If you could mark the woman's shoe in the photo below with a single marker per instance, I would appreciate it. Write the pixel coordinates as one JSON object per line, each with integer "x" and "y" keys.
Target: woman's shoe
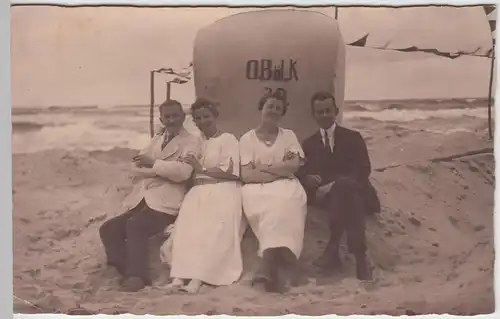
{"x": 176, "y": 284}
{"x": 193, "y": 287}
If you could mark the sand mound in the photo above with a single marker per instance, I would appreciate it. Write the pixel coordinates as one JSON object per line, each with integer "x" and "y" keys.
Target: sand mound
{"x": 432, "y": 242}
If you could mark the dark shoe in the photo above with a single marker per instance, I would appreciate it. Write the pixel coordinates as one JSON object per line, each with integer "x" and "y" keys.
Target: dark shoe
{"x": 297, "y": 277}
{"x": 120, "y": 270}
{"x": 328, "y": 262}
{"x": 292, "y": 274}
{"x": 276, "y": 281}
{"x": 363, "y": 272}
{"x": 133, "y": 284}
{"x": 259, "y": 278}
{"x": 271, "y": 283}
{"x": 275, "y": 285}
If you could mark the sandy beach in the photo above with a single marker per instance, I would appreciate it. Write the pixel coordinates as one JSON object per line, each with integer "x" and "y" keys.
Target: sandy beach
{"x": 79, "y": 75}
{"x": 431, "y": 248}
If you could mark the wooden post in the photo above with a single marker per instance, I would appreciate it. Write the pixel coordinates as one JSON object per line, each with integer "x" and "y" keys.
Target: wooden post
{"x": 152, "y": 105}
{"x": 336, "y": 13}
{"x": 168, "y": 90}
{"x": 490, "y": 93}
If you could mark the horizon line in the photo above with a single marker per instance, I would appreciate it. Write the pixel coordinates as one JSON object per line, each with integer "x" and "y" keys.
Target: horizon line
{"x": 345, "y": 101}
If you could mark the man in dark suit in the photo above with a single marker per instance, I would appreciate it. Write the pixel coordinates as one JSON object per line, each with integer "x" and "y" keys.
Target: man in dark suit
{"x": 337, "y": 160}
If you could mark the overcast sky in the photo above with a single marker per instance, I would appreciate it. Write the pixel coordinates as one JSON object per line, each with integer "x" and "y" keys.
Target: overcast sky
{"x": 102, "y": 55}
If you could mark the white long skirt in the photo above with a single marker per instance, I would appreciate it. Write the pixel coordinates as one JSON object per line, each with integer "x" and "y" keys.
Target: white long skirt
{"x": 276, "y": 212}
{"x": 206, "y": 242}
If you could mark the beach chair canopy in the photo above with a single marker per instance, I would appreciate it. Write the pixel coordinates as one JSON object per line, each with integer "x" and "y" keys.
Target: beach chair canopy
{"x": 239, "y": 58}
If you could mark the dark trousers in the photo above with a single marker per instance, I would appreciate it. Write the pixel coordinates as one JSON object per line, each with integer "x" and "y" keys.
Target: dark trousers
{"x": 346, "y": 213}
{"x": 277, "y": 262}
{"x": 126, "y": 239}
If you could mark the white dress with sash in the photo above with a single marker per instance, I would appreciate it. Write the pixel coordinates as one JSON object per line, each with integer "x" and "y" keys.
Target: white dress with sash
{"x": 207, "y": 234}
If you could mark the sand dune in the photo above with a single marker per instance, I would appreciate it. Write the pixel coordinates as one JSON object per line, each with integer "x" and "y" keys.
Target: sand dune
{"x": 431, "y": 248}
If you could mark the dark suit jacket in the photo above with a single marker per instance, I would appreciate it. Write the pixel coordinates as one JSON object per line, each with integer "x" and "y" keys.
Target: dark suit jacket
{"x": 349, "y": 159}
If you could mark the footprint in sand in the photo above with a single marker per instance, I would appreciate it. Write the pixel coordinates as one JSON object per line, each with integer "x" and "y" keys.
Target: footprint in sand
{"x": 416, "y": 260}
{"x": 25, "y": 220}
{"x": 479, "y": 228}
{"x": 34, "y": 238}
{"x": 414, "y": 221}
{"x": 452, "y": 276}
{"x": 433, "y": 253}
{"x": 453, "y": 220}
{"x": 34, "y": 273}
{"x": 61, "y": 234}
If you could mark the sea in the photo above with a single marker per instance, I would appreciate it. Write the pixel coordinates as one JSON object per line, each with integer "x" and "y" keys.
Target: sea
{"x": 94, "y": 128}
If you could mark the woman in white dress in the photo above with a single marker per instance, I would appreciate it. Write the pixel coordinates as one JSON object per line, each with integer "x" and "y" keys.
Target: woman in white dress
{"x": 274, "y": 201}
{"x": 207, "y": 234}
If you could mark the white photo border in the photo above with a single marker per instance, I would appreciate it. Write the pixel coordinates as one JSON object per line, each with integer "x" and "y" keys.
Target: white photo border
{"x": 6, "y": 297}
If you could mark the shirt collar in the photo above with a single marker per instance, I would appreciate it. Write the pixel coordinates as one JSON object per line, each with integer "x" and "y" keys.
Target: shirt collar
{"x": 180, "y": 132}
{"x": 330, "y": 131}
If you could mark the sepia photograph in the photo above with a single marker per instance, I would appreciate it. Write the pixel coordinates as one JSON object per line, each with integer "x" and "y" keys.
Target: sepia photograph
{"x": 253, "y": 161}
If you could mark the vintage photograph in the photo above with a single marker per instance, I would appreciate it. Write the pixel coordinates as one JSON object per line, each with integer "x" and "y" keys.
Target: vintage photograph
{"x": 253, "y": 161}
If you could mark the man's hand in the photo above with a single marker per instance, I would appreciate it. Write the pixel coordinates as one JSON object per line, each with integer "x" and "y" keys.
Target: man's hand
{"x": 257, "y": 165}
{"x": 135, "y": 178}
{"x": 144, "y": 161}
{"x": 322, "y": 191}
{"x": 138, "y": 173}
{"x": 289, "y": 155}
{"x": 312, "y": 181}
{"x": 193, "y": 161}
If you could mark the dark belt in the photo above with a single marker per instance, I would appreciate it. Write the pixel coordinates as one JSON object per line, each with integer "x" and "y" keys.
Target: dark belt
{"x": 206, "y": 181}
{"x": 264, "y": 183}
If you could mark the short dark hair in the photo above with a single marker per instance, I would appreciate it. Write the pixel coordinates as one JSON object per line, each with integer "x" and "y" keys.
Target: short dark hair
{"x": 323, "y": 96}
{"x": 279, "y": 94}
{"x": 171, "y": 103}
{"x": 203, "y": 103}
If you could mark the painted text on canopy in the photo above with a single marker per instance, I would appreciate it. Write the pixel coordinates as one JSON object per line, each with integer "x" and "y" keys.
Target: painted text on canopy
{"x": 267, "y": 69}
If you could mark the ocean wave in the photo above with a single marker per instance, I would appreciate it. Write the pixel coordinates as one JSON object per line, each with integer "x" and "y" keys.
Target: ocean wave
{"x": 104, "y": 133}
{"x": 451, "y": 130}
{"x": 83, "y": 136}
{"x": 415, "y": 105}
{"x": 53, "y": 109}
{"x": 130, "y": 106}
{"x": 27, "y": 125}
{"x": 23, "y": 127}
{"x": 402, "y": 115}
{"x": 350, "y": 105}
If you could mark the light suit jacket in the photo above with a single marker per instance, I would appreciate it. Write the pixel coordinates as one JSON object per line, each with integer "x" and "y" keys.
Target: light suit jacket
{"x": 164, "y": 185}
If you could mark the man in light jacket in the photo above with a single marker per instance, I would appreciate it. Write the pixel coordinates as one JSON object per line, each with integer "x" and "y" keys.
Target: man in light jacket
{"x": 160, "y": 184}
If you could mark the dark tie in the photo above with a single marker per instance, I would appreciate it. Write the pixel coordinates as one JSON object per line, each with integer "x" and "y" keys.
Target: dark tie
{"x": 327, "y": 144}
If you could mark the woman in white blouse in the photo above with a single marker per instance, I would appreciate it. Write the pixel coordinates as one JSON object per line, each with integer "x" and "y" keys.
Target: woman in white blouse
{"x": 207, "y": 234}
{"x": 274, "y": 201}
